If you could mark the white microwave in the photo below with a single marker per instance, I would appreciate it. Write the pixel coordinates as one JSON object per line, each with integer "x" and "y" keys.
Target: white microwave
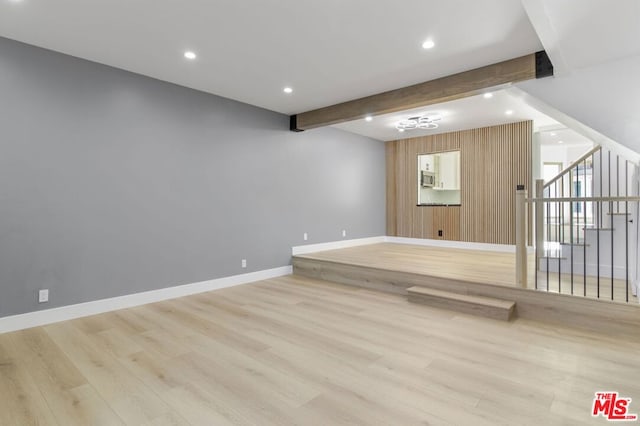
{"x": 428, "y": 179}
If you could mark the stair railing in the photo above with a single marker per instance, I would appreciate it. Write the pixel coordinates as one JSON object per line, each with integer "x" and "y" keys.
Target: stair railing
{"x": 586, "y": 243}
{"x": 573, "y": 181}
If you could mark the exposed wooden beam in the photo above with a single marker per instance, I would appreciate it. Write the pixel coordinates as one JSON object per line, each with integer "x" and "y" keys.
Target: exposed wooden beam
{"x": 456, "y": 86}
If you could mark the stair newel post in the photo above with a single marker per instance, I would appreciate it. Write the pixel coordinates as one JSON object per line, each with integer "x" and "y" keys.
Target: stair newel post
{"x": 539, "y": 224}
{"x": 521, "y": 236}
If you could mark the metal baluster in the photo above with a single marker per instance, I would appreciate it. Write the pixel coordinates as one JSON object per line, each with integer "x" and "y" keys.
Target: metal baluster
{"x": 584, "y": 240}
{"x": 617, "y": 189}
{"x": 594, "y": 206}
{"x": 601, "y": 213}
{"x": 548, "y": 239}
{"x": 558, "y": 236}
{"x": 584, "y": 247}
{"x": 626, "y": 229}
{"x": 601, "y": 191}
{"x": 577, "y": 230}
{"x": 571, "y": 225}
{"x": 611, "y": 268}
{"x": 599, "y": 220}
{"x": 611, "y": 225}
{"x": 561, "y": 213}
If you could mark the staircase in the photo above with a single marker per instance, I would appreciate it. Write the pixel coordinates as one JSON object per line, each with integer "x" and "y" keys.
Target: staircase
{"x": 587, "y": 234}
{"x": 465, "y": 303}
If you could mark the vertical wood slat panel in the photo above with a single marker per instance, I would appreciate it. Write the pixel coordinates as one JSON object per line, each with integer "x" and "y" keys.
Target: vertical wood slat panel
{"x": 493, "y": 160}
{"x": 392, "y": 202}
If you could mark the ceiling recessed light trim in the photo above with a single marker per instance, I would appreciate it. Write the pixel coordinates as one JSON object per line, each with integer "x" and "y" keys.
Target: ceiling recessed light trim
{"x": 509, "y": 112}
{"x": 288, "y": 90}
{"x": 191, "y": 55}
{"x": 488, "y": 95}
{"x": 368, "y": 118}
{"x": 428, "y": 44}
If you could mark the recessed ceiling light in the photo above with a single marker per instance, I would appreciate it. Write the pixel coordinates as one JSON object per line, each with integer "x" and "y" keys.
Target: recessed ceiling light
{"x": 560, "y": 142}
{"x": 488, "y": 95}
{"x": 553, "y": 133}
{"x": 401, "y": 130}
{"x": 428, "y": 44}
{"x": 287, "y": 90}
{"x": 368, "y": 118}
{"x": 508, "y": 112}
{"x": 190, "y": 55}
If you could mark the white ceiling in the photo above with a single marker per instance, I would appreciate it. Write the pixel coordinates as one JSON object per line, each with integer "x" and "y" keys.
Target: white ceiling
{"x": 461, "y": 114}
{"x": 329, "y": 51}
{"x": 334, "y": 50}
{"x": 581, "y": 33}
{"x": 565, "y": 137}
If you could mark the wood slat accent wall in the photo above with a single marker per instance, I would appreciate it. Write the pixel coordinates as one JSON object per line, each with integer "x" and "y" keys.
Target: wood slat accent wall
{"x": 391, "y": 188}
{"x": 493, "y": 161}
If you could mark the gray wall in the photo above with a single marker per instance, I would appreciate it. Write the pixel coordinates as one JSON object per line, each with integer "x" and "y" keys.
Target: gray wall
{"x": 112, "y": 183}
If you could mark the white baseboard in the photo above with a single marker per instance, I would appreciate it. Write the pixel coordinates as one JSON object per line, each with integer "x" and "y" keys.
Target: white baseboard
{"x": 333, "y": 245}
{"x": 64, "y": 313}
{"x": 504, "y": 248}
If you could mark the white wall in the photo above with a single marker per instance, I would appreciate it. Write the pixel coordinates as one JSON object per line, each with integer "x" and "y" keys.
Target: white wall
{"x": 605, "y": 97}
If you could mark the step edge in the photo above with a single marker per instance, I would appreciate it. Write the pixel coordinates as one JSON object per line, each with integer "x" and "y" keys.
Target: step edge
{"x": 466, "y": 298}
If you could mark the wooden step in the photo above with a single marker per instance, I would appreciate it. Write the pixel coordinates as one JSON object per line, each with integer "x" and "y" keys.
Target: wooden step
{"x": 475, "y": 305}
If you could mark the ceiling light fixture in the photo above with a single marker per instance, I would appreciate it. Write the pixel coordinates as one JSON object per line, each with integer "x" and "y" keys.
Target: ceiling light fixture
{"x": 401, "y": 130}
{"x": 508, "y": 112}
{"x": 428, "y": 44}
{"x": 287, "y": 90}
{"x": 488, "y": 95}
{"x": 368, "y": 118}
{"x": 553, "y": 133}
{"x": 190, "y": 55}
{"x": 424, "y": 122}
{"x": 560, "y": 141}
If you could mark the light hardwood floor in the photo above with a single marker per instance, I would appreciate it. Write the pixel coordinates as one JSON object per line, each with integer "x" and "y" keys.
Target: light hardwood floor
{"x": 475, "y": 266}
{"x": 293, "y": 350}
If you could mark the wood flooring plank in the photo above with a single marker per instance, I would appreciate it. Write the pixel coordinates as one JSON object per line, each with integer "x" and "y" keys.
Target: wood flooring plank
{"x": 133, "y": 401}
{"x": 66, "y": 391}
{"x": 21, "y": 402}
{"x": 300, "y": 351}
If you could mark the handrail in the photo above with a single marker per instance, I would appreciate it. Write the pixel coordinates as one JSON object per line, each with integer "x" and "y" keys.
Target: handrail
{"x": 573, "y": 165}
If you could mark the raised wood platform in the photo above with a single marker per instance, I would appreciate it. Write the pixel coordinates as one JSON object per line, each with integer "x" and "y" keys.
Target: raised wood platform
{"x": 394, "y": 268}
{"x": 474, "y": 305}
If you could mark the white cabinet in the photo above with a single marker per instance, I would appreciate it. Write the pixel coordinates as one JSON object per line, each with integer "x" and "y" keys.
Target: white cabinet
{"x": 448, "y": 171}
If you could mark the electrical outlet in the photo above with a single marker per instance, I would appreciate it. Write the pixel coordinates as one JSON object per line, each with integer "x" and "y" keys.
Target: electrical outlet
{"x": 244, "y": 263}
{"x": 344, "y": 232}
{"x": 305, "y": 236}
{"x": 43, "y": 296}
